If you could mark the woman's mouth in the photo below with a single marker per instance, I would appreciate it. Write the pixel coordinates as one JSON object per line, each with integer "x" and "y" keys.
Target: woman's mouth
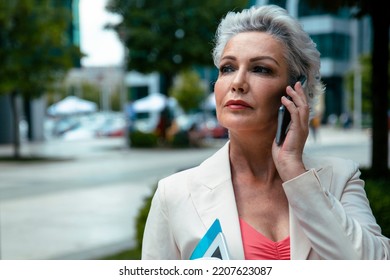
{"x": 237, "y": 104}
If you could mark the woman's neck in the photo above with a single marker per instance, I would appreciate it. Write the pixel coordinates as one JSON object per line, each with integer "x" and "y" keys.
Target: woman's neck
{"x": 253, "y": 155}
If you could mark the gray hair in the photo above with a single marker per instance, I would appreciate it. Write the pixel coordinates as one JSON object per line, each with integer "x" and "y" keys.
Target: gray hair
{"x": 301, "y": 53}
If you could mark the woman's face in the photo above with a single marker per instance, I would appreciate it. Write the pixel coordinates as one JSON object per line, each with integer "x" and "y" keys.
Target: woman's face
{"x": 252, "y": 79}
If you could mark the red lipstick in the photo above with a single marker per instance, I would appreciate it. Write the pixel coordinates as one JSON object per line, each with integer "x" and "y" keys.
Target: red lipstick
{"x": 237, "y": 104}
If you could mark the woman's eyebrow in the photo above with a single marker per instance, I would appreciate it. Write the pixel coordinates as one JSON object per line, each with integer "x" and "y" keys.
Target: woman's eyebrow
{"x": 264, "y": 57}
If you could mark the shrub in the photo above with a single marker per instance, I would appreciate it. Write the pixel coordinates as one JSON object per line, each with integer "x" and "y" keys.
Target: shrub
{"x": 378, "y": 192}
{"x": 141, "y": 219}
{"x": 143, "y": 139}
{"x": 180, "y": 140}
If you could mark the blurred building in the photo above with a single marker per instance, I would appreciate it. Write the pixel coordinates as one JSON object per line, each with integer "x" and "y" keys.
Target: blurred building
{"x": 73, "y": 34}
{"x": 108, "y": 80}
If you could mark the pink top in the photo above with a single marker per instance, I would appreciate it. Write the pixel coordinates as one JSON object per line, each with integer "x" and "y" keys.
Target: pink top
{"x": 259, "y": 247}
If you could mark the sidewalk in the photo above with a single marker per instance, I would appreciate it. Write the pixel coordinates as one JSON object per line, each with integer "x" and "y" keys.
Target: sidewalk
{"x": 60, "y": 209}
{"x": 354, "y": 144}
{"x": 333, "y": 135}
{"x": 58, "y": 148}
{"x": 84, "y": 205}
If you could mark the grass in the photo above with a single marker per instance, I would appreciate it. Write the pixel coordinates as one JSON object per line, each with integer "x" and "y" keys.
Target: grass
{"x": 132, "y": 254}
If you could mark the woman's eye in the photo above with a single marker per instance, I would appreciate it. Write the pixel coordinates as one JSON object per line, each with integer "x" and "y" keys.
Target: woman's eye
{"x": 261, "y": 69}
{"x": 226, "y": 69}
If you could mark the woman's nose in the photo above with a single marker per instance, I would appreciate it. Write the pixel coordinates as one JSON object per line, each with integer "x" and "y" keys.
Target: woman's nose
{"x": 240, "y": 84}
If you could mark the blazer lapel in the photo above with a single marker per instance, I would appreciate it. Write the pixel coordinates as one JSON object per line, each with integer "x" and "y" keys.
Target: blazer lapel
{"x": 300, "y": 244}
{"x": 213, "y": 197}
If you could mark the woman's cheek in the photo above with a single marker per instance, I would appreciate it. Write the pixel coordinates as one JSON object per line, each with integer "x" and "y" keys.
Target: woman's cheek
{"x": 219, "y": 93}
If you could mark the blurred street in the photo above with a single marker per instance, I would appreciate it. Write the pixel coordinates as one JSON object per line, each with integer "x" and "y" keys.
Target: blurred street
{"x": 82, "y": 203}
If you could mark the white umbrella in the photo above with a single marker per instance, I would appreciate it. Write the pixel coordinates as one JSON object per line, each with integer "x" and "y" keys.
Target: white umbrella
{"x": 72, "y": 105}
{"x": 152, "y": 102}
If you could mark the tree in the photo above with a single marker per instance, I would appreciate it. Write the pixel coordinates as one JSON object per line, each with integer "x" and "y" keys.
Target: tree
{"x": 33, "y": 50}
{"x": 188, "y": 90}
{"x": 366, "y": 83}
{"x": 364, "y": 68}
{"x": 380, "y": 18}
{"x": 169, "y": 36}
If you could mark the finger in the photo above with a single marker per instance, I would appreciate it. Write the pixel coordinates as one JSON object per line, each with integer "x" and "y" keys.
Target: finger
{"x": 299, "y": 111}
{"x": 297, "y": 94}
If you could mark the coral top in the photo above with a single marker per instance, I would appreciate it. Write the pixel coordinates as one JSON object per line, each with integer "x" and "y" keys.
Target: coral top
{"x": 259, "y": 247}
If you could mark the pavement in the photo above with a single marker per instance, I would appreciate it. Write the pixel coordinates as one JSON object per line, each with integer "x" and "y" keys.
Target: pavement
{"x": 83, "y": 203}
{"x": 354, "y": 144}
{"x": 42, "y": 218}
{"x": 82, "y": 200}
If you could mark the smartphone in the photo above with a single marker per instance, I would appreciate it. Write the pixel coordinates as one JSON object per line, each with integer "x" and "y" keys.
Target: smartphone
{"x": 284, "y": 117}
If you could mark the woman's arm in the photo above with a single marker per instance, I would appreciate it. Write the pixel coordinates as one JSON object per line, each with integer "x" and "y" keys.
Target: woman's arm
{"x": 338, "y": 227}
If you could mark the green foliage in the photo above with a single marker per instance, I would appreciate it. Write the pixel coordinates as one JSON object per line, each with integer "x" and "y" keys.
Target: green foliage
{"x": 379, "y": 196}
{"x": 141, "y": 139}
{"x": 34, "y": 50}
{"x": 180, "y": 140}
{"x": 188, "y": 90}
{"x": 141, "y": 218}
{"x": 90, "y": 92}
{"x": 365, "y": 70}
{"x": 169, "y": 36}
{"x": 377, "y": 189}
{"x": 366, "y": 83}
{"x": 116, "y": 104}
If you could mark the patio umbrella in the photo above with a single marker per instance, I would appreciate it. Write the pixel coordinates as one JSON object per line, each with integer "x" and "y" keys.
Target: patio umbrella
{"x": 152, "y": 102}
{"x": 72, "y": 105}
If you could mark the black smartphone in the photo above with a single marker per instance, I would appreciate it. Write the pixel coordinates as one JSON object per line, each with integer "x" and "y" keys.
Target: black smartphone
{"x": 284, "y": 117}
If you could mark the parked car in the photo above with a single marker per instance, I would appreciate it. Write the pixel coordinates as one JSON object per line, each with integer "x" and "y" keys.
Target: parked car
{"x": 204, "y": 123}
{"x": 113, "y": 126}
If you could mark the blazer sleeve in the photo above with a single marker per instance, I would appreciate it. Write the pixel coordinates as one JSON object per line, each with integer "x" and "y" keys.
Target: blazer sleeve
{"x": 158, "y": 241}
{"x": 337, "y": 219}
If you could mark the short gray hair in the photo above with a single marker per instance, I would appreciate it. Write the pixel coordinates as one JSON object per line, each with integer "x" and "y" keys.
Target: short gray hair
{"x": 301, "y": 54}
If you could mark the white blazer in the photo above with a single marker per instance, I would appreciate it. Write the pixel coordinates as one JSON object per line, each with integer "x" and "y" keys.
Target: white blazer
{"x": 330, "y": 216}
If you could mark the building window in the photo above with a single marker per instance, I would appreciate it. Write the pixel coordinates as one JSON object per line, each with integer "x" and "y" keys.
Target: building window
{"x": 280, "y": 3}
{"x": 333, "y": 45}
{"x": 304, "y": 9}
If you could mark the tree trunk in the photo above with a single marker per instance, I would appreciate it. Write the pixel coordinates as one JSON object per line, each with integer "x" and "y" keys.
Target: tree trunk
{"x": 166, "y": 82}
{"x": 16, "y": 121}
{"x": 28, "y": 117}
{"x": 380, "y": 58}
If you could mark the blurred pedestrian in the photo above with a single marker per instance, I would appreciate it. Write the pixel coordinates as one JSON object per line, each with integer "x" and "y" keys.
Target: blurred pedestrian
{"x": 165, "y": 121}
{"x": 314, "y": 125}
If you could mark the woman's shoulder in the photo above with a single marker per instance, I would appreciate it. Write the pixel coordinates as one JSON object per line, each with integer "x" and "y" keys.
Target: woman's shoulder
{"x": 337, "y": 164}
{"x": 179, "y": 176}
{"x": 210, "y": 172}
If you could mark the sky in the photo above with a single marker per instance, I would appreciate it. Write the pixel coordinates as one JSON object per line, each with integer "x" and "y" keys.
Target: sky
{"x": 102, "y": 47}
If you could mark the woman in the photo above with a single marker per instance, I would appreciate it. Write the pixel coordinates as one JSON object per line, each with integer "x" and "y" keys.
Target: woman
{"x": 272, "y": 201}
